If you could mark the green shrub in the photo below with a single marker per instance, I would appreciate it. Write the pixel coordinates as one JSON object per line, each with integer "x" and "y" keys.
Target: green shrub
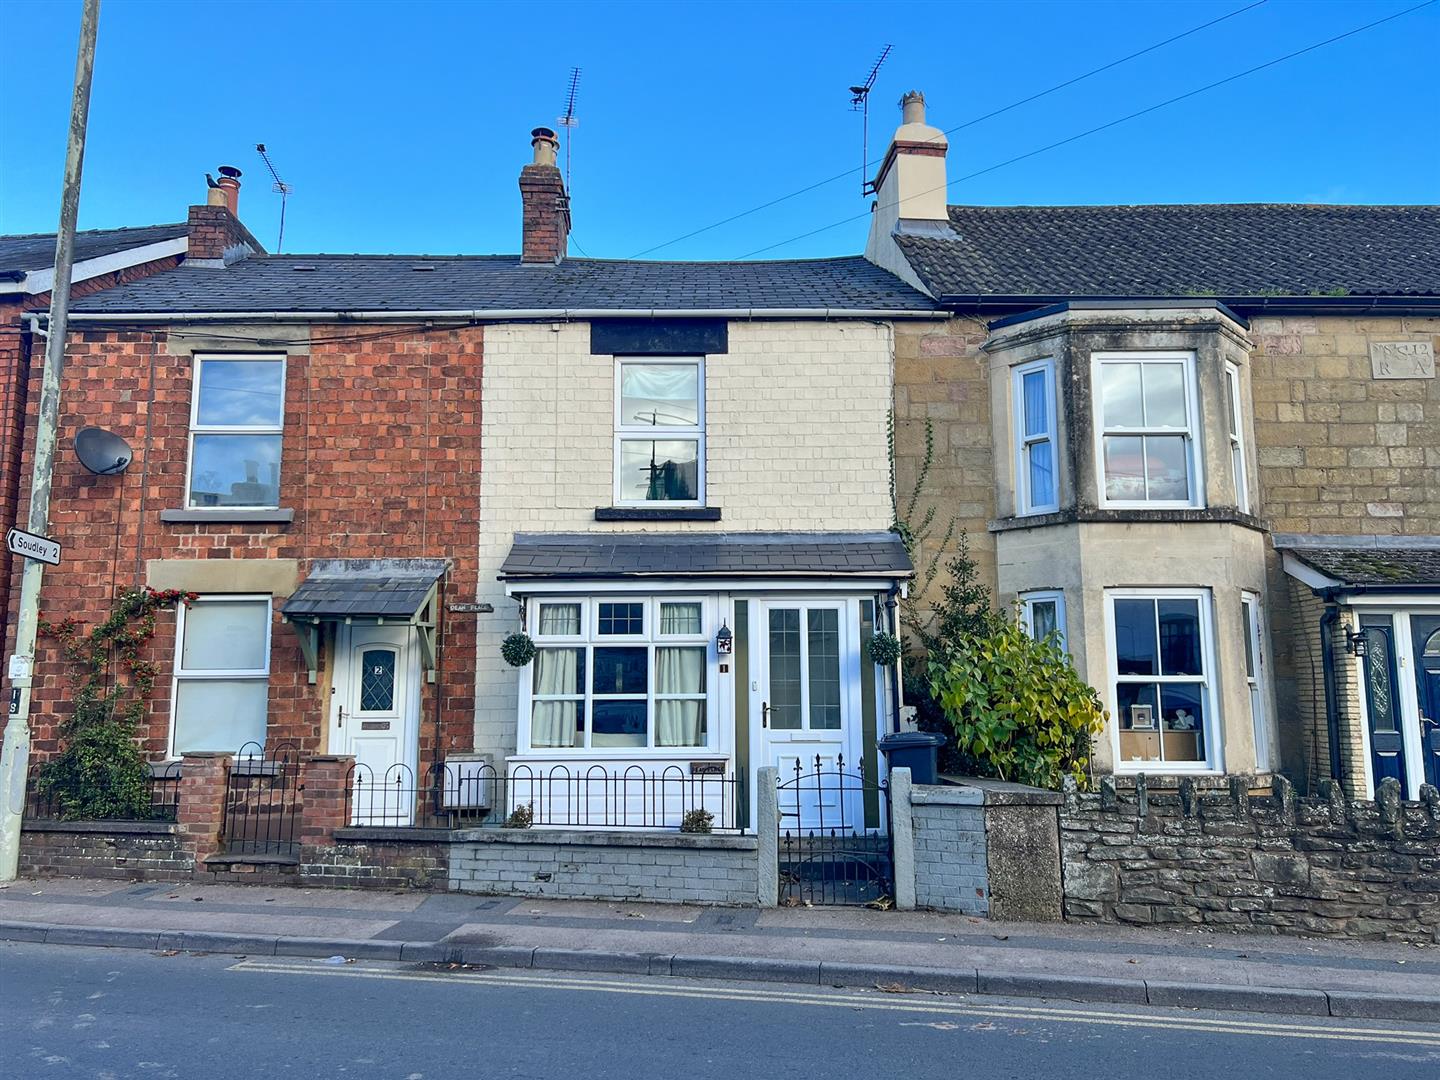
{"x": 1017, "y": 707}
{"x": 697, "y": 821}
{"x": 522, "y": 817}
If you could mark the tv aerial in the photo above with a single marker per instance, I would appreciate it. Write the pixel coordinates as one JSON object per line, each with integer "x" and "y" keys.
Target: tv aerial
{"x": 281, "y": 188}
{"x": 569, "y": 121}
{"x": 860, "y": 102}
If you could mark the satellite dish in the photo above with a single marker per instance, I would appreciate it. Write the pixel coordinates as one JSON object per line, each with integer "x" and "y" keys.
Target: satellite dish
{"x": 102, "y": 452}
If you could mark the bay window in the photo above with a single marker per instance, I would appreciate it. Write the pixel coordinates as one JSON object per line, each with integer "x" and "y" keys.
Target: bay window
{"x": 619, "y": 674}
{"x": 1043, "y": 614}
{"x": 1147, "y": 429}
{"x": 237, "y": 415}
{"x": 1162, "y": 674}
{"x": 659, "y": 432}
{"x": 222, "y": 674}
{"x": 1237, "y": 444}
{"x": 1036, "y": 488}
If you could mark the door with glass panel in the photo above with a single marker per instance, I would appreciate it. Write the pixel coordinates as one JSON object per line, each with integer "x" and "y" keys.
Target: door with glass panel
{"x": 805, "y": 707}
{"x": 1383, "y": 708}
{"x": 376, "y": 719}
{"x": 1425, "y": 630}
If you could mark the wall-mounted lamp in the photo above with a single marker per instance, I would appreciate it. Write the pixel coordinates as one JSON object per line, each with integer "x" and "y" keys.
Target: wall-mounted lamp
{"x": 724, "y": 640}
{"x": 1355, "y": 643}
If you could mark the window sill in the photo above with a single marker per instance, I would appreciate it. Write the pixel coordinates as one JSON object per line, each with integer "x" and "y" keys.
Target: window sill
{"x": 657, "y": 513}
{"x": 1222, "y": 515}
{"x": 227, "y": 516}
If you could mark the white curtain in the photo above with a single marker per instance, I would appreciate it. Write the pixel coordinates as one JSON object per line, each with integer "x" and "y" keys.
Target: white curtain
{"x": 562, "y": 619}
{"x": 679, "y": 722}
{"x": 552, "y": 723}
{"x": 679, "y": 618}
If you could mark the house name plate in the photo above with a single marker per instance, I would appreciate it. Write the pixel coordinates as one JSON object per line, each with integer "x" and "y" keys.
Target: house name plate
{"x": 1402, "y": 360}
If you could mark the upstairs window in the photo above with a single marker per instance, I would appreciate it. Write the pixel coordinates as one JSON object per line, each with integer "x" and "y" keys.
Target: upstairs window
{"x": 660, "y": 432}
{"x": 1036, "y": 490}
{"x": 1146, "y": 429}
{"x": 237, "y": 414}
{"x": 1237, "y": 445}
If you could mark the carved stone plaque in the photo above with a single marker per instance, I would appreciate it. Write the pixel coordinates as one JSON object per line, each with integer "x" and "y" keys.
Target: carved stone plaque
{"x": 1402, "y": 360}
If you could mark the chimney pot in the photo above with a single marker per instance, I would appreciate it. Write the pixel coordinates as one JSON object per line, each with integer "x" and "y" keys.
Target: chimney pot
{"x": 912, "y": 108}
{"x": 229, "y": 187}
{"x": 545, "y": 144}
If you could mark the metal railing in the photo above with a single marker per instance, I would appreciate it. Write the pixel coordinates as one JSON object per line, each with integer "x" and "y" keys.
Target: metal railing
{"x": 163, "y": 784}
{"x": 474, "y": 794}
{"x": 262, "y": 801}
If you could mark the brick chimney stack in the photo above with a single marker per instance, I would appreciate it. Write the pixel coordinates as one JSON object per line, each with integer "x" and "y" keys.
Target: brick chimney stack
{"x": 546, "y": 205}
{"x": 216, "y": 237}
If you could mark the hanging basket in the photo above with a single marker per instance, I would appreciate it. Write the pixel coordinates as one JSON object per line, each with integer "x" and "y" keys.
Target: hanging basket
{"x": 885, "y": 649}
{"x": 517, "y": 649}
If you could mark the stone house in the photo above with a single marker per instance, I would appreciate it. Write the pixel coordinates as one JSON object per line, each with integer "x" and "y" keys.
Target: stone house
{"x": 1201, "y": 443}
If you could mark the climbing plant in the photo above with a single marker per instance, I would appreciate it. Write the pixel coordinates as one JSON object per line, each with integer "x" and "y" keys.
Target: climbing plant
{"x": 101, "y": 771}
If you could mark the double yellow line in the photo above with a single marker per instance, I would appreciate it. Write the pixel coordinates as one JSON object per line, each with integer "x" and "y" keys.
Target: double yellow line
{"x": 874, "y": 1001}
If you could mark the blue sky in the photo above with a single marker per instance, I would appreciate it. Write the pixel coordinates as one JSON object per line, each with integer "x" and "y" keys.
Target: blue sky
{"x": 403, "y": 126}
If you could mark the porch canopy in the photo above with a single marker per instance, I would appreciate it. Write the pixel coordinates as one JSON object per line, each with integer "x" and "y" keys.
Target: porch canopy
{"x": 858, "y": 556}
{"x": 376, "y": 591}
{"x": 1352, "y": 565}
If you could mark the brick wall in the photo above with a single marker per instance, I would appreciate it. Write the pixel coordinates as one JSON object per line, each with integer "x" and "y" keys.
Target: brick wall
{"x": 669, "y": 868}
{"x": 380, "y": 859}
{"x": 1278, "y": 864}
{"x": 145, "y": 851}
{"x": 950, "y": 850}
{"x": 380, "y": 457}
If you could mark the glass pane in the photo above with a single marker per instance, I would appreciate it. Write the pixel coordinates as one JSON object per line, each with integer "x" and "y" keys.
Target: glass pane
{"x": 243, "y": 392}
{"x": 823, "y": 627}
{"x": 1165, "y": 395}
{"x": 1042, "y": 474}
{"x": 1182, "y": 722}
{"x": 680, "y": 671}
{"x": 1135, "y": 650}
{"x": 679, "y": 618}
{"x": 618, "y": 723}
{"x": 1120, "y": 395}
{"x": 1230, "y": 399}
{"x": 1247, "y": 631}
{"x": 560, "y": 619}
{"x": 785, "y": 669}
{"x": 1167, "y": 468}
{"x": 622, "y": 618}
{"x": 557, "y": 723}
{"x": 1379, "y": 691}
{"x": 621, "y": 671}
{"x": 559, "y": 671}
{"x": 1037, "y": 407}
{"x": 1042, "y": 619}
{"x": 1180, "y": 637}
{"x": 1124, "y": 468}
{"x": 225, "y": 635}
{"x": 1432, "y": 645}
{"x": 660, "y": 395}
{"x": 680, "y": 723}
{"x": 377, "y": 680}
{"x": 1132, "y": 699}
{"x": 219, "y": 714}
{"x": 235, "y": 470}
{"x": 664, "y": 470}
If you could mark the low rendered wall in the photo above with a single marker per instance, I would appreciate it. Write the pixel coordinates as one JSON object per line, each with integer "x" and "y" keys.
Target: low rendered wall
{"x": 591, "y": 865}
{"x": 126, "y": 850}
{"x": 1277, "y": 863}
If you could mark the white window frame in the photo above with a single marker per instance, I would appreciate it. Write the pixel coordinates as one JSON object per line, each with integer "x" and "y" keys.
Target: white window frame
{"x": 628, "y": 431}
{"x": 1236, "y": 430}
{"x": 1024, "y": 501}
{"x": 1195, "y": 497}
{"x": 1209, "y": 683}
{"x": 1257, "y": 682}
{"x": 652, "y": 639}
{"x": 1028, "y": 600}
{"x": 179, "y": 674}
{"x": 197, "y": 428}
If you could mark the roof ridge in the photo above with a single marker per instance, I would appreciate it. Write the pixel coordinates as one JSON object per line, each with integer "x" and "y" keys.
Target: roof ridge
{"x": 1080, "y": 207}
{"x": 85, "y": 232}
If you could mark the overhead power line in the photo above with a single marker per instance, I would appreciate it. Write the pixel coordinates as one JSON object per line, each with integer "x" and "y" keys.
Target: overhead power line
{"x": 960, "y": 127}
{"x": 1111, "y": 123}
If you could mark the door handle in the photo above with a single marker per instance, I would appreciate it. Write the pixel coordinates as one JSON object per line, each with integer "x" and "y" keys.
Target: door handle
{"x": 342, "y": 716}
{"x": 764, "y": 714}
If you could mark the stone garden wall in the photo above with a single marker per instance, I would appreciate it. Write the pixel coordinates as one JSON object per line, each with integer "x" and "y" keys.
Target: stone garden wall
{"x": 1327, "y": 866}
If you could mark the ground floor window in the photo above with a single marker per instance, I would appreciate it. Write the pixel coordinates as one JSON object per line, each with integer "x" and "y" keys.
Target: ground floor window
{"x": 625, "y": 673}
{"x": 1162, "y": 672}
{"x": 222, "y": 674}
{"x": 1044, "y": 614}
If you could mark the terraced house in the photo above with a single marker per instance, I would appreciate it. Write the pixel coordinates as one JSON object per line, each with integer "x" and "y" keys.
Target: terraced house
{"x": 1202, "y": 443}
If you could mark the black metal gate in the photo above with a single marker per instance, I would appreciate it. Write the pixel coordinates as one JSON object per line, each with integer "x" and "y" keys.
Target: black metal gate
{"x": 262, "y": 801}
{"x": 834, "y": 844}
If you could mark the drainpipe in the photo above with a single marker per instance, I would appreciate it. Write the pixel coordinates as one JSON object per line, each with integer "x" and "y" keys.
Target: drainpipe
{"x": 1332, "y": 694}
{"x": 893, "y": 617}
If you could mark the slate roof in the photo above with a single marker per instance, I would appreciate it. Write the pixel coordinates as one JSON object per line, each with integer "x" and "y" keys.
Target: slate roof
{"x": 20, "y": 255}
{"x": 318, "y": 283}
{"x": 1233, "y": 250}
{"x": 621, "y": 555}
{"x": 1387, "y": 560}
{"x": 364, "y": 588}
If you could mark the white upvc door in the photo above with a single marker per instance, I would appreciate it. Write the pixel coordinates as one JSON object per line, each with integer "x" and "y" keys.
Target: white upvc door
{"x": 375, "y": 717}
{"x": 808, "y": 680}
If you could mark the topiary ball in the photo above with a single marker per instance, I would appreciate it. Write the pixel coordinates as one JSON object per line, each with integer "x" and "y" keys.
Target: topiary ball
{"x": 518, "y": 650}
{"x": 885, "y": 649}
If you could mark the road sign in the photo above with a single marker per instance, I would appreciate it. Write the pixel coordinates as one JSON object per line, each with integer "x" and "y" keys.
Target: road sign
{"x": 33, "y": 547}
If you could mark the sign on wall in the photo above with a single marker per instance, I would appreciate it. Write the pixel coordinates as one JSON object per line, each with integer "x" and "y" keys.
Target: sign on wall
{"x": 1402, "y": 360}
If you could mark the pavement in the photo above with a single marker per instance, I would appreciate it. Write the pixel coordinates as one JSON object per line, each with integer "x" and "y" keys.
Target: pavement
{"x": 855, "y": 947}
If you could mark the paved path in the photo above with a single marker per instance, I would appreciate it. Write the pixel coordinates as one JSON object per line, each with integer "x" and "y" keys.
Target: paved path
{"x": 80, "y": 1012}
{"x": 815, "y": 945}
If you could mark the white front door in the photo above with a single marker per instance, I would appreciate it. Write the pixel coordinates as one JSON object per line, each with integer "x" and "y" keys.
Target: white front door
{"x": 809, "y": 678}
{"x": 376, "y": 718}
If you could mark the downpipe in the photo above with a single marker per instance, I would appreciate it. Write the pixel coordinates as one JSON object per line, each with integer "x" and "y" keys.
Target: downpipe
{"x": 1332, "y": 693}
